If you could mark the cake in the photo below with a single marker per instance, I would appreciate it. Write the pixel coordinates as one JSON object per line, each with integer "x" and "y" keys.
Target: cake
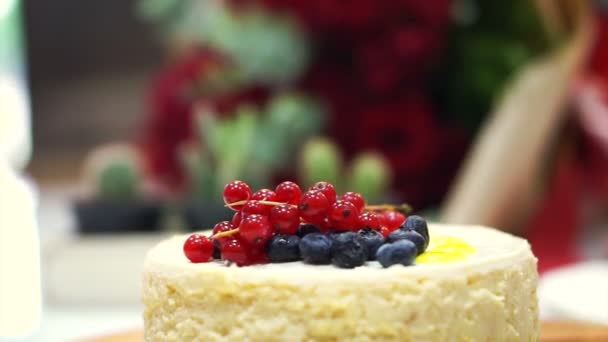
{"x": 472, "y": 284}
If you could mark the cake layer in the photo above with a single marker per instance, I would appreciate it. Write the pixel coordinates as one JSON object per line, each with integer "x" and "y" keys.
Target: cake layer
{"x": 489, "y": 296}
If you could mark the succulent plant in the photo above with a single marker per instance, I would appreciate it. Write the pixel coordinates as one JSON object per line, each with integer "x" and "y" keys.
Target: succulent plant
{"x": 251, "y": 144}
{"x": 265, "y": 47}
{"x": 114, "y": 172}
{"x": 369, "y": 173}
{"x": 118, "y": 181}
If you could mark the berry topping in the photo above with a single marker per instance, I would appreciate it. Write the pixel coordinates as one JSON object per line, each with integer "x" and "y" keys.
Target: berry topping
{"x": 256, "y": 254}
{"x": 401, "y": 252}
{"x": 384, "y": 231}
{"x": 288, "y": 192}
{"x": 418, "y": 224}
{"x": 284, "y": 248}
{"x": 348, "y": 251}
{"x": 287, "y": 225}
{"x": 411, "y": 235}
{"x": 255, "y": 229}
{"x": 221, "y": 227}
{"x": 372, "y": 239}
{"x": 315, "y": 248}
{"x": 198, "y": 248}
{"x": 236, "y": 191}
{"x": 313, "y": 206}
{"x": 392, "y": 219}
{"x": 307, "y": 228}
{"x": 216, "y": 249}
{"x": 236, "y": 219}
{"x": 327, "y": 189}
{"x": 344, "y": 216}
{"x": 264, "y": 195}
{"x": 285, "y": 219}
{"x": 255, "y": 207}
{"x": 235, "y": 251}
{"x": 354, "y": 198}
{"x": 368, "y": 219}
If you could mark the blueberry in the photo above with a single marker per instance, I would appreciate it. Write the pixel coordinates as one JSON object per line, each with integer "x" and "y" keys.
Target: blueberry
{"x": 284, "y": 248}
{"x": 372, "y": 239}
{"x": 418, "y": 224}
{"x": 401, "y": 252}
{"x": 412, "y": 235}
{"x": 340, "y": 237}
{"x": 315, "y": 248}
{"x": 307, "y": 228}
{"x": 348, "y": 250}
{"x": 396, "y": 235}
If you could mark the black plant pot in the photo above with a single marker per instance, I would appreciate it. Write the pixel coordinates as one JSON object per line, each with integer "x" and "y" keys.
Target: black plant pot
{"x": 102, "y": 216}
{"x": 202, "y": 215}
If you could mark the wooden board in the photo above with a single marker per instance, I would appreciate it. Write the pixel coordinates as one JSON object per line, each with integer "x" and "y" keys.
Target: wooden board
{"x": 551, "y": 331}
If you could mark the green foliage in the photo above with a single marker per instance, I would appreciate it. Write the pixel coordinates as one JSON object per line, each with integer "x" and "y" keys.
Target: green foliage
{"x": 489, "y": 42}
{"x": 369, "y": 173}
{"x": 251, "y": 144}
{"x": 264, "y": 47}
{"x": 118, "y": 181}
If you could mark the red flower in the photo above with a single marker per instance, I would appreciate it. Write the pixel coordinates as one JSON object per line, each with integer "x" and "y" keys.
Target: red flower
{"x": 171, "y": 104}
{"x": 423, "y": 154}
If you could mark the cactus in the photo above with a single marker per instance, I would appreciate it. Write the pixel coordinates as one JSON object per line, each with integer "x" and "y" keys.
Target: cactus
{"x": 369, "y": 173}
{"x": 118, "y": 180}
{"x": 320, "y": 160}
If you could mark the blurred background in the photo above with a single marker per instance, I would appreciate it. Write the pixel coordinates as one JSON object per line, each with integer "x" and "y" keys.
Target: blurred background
{"x": 122, "y": 121}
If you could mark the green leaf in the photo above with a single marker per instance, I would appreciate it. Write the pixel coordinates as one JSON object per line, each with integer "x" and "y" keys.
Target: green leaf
{"x": 157, "y": 9}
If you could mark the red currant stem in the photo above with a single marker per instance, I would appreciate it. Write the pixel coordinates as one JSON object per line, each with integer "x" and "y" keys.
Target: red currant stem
{"x": 262, "y": 202}
{"x": 402, "y": 208}
{"x": 226, "y": 233}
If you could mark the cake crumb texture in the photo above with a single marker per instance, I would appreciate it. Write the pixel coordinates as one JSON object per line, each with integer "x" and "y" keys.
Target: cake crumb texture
{"x": 493, "y": 305}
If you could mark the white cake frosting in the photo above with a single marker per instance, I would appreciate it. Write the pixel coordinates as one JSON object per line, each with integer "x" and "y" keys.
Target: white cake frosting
{"x": 489, "y": 296}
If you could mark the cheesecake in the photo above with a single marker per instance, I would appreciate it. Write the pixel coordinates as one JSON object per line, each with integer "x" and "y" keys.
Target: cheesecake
{"x": 471, "y": 284}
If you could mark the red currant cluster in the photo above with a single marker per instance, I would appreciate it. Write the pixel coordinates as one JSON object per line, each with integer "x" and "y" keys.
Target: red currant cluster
{"x": 261, "y": 215}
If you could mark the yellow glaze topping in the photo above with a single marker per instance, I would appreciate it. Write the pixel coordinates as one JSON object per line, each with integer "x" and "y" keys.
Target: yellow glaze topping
{"x": 445, "y": 249}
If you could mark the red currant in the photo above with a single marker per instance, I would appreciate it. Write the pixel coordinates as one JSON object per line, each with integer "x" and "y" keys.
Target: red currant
{"x": 288, "y": 192}
{"x": 198, "y": 248}
{"x": 236, "y": 191}
{"x": 264, "y": 195}
{"x": 327, "y": 189}
{"x": 236, "y": 219}
{"x": 313, "y": 206}
{"x": 324, "y": 225}
{"x": 392, "y": 219}
{"x": 285, "y": 219}
{"x": 235, "y": 251}
{"x": 354, "y": 198}
{"x": 344, "y": 215}
{"x": 257, "y": 255}
{"x": 385, "y": 231}
{"x": 223, "y": 227}
{"x": 369, "y": 219}
{"x": 255, "y": 229}
{"x": 255, "y": 207}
